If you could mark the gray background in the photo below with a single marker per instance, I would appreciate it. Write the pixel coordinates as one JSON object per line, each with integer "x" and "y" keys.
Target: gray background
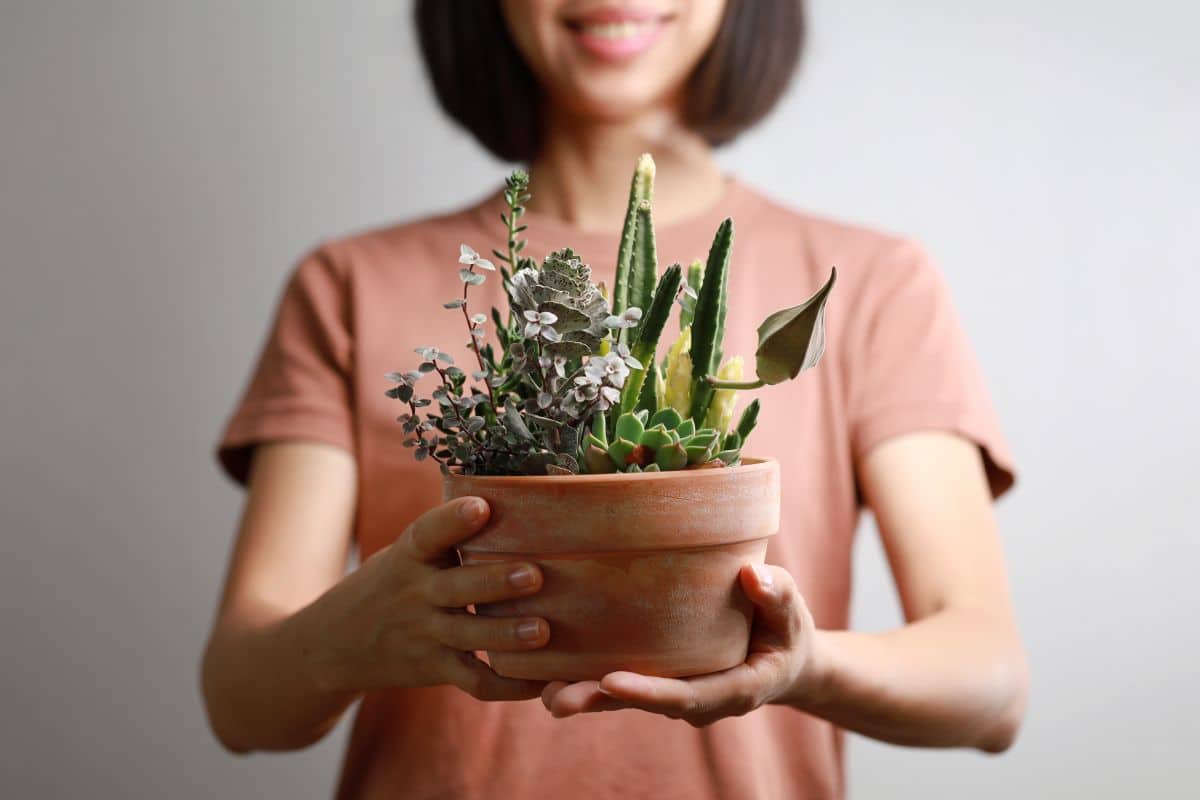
{"x": 162, "y": 164}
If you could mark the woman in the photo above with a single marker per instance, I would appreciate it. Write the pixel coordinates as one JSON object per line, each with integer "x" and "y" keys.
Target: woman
{"x": 896, "y": 416}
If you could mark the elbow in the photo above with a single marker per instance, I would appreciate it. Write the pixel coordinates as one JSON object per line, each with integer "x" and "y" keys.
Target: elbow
{"x": 233, "y": 723}
{"x": 229, "y": 743}
{"x": 1010, "y": 689}
{"x": 223, "y": 728}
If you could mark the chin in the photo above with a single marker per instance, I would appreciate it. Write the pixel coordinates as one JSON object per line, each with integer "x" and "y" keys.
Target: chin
{"x": 612, "y": 100}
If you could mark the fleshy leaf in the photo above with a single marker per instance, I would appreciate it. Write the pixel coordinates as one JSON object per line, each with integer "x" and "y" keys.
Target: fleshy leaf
{"x": 671, "y": 457}
{"x": 793, "y": 340}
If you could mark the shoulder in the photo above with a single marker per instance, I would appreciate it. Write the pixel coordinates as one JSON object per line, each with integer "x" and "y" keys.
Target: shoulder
{"x": 852, "y": 245}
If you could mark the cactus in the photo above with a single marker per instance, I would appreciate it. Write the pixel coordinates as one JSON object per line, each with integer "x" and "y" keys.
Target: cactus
{"x": 687, "y": 303}
{"x": 641, "y": 188}
{"x": 645, "y": 345}
{"x": 708, "y": 328}
{"x": 643, "y": 271}
{"x": 677, "y": 389}
{"x": 662, "y": 442}
{"x": 720, "y": 411}
{"x": 748, "y": 420}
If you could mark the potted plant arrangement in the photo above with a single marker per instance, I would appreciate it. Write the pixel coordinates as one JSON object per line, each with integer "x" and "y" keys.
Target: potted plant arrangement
{"x": 619, "y": 472}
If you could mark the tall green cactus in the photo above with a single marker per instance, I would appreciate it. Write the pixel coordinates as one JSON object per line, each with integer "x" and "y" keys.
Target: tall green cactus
{"x": 652, "y": 327}
{"x": 643, "y": 271}
{"x": 708, "y": 328}
{"x": 641, "y": 188}
{"x": 695, "y": 277}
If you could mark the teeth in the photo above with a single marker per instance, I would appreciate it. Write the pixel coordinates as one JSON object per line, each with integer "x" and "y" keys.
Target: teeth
{"x": 618, "y": 30}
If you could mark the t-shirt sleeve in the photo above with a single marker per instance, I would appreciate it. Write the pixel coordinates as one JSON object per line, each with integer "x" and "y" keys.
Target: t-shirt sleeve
{"x": 301, "y": 386}
{"x": 912, "y": 367}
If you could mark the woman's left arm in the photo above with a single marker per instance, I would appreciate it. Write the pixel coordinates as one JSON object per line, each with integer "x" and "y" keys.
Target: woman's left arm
{"x": 955, "y": 675}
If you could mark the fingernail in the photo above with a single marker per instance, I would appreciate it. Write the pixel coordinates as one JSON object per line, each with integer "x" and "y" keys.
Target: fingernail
{"x": 472, "y": 510}
{"x": 763, "y": 573}
{"x": 523, "y": 577}
{"x": 530, "y": 630}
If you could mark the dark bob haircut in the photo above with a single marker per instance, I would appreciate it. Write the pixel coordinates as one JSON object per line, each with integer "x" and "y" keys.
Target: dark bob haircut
{"x": 483, "y": 83}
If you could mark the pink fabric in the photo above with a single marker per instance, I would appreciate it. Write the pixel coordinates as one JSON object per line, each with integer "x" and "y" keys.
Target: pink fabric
{"x": 897, "y": 360}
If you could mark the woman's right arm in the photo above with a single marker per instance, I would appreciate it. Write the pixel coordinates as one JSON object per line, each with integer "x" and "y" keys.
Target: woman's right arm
{"x": 296, "y": 640}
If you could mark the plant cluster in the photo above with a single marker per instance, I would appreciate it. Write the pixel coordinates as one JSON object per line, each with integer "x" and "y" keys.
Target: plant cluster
{"x": 570, "y": 380}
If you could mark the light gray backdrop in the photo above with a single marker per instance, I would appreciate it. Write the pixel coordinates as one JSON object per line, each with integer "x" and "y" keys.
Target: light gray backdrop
{"x": 163, "y": 163}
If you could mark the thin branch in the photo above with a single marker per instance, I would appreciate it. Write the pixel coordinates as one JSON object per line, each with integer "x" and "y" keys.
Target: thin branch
{"x": 475, "y": 342}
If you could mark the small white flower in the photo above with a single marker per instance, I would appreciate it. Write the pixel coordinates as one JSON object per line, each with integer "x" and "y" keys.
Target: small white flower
{"x": 610, "y": 369}
{"x": 478, "y": 319}
{"x": 538, "y": 324}
{"x": 624, "y": 354}
{"x": 628, "y": 319}
{"x": 467, "y": 255}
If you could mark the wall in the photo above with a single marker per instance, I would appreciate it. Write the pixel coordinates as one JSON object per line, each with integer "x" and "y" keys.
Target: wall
{"x": 163, "y": 163}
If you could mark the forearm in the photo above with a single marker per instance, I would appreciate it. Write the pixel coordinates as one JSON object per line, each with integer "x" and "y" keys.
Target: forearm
{"x": 259, "y": 690}
{"x": 955, "y": 678}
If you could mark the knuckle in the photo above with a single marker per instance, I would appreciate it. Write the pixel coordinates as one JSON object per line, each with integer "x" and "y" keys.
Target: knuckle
{"x": 493, "y": 580}
{"x": 434, "y": 589}
{"x": 744, "y": 702}
{"x": 440, "y": 627}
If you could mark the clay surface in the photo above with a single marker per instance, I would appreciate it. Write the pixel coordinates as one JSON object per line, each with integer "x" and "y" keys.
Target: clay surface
{"x": 640, "y": 570}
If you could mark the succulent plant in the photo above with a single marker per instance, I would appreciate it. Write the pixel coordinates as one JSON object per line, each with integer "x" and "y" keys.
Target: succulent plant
{"x": 575, "y": 385}
{"x": 664, "y": 441}
{"x": 562, "y": 288}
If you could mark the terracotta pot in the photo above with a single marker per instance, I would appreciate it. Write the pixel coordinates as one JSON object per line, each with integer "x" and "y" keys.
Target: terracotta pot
{"x": 640, "y": 570}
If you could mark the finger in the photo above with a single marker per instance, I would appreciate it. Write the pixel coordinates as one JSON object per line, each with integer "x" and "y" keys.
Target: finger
{"x": 470, "y": 632}
{"x": 568, "y": 699}
{"x": 776, "y": 599}
{"x": 477, "y": 679}
{"x": 439, "y": 529}
{"x": 482, "y": 583}
{"x": 550, "y": 691}
{"x": 733, "y": 691}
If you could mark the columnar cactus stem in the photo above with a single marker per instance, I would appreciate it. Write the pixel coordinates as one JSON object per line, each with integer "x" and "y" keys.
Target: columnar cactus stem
{"x": 677, "y": 383}
{"x": 652, "y": 327}
{"x": 641, "y": 188}
{"x": 748, "y": 420}
{"x": 643, "y": 271}
{"x": 720, "y": 410}
{"x": 695, "y": 277}
{"x": 708, "y": 329}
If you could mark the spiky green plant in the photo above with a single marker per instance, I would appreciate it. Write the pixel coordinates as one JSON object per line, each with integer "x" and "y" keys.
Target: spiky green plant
{"x": 577, "y": 385}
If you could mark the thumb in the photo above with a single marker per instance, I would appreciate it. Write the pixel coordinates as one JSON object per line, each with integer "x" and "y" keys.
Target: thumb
{"x": 778, "y": 605}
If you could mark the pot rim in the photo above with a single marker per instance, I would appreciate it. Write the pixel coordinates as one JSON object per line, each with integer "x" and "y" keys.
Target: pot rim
{"x": 749, "y": 464}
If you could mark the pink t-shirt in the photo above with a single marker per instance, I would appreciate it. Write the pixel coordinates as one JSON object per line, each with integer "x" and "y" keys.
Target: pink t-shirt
{"x": 896, "y": 361}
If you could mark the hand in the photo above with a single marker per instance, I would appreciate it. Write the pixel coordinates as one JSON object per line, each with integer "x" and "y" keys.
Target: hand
{"x": 781, "y": 666}
{"x": 401, "y": 618}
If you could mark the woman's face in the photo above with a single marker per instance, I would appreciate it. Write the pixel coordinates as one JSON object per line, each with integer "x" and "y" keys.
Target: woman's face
{"x": 613, "y": 59}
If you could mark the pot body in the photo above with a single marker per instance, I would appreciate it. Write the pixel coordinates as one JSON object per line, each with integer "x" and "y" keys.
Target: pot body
{"x": 640, "y": 571}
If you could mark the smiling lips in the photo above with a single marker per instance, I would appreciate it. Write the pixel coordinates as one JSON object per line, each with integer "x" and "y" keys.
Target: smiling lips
{"x": 617, "y": 34}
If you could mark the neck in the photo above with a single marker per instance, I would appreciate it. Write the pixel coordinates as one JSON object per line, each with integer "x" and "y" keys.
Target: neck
{"x": 582, "y": 174}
